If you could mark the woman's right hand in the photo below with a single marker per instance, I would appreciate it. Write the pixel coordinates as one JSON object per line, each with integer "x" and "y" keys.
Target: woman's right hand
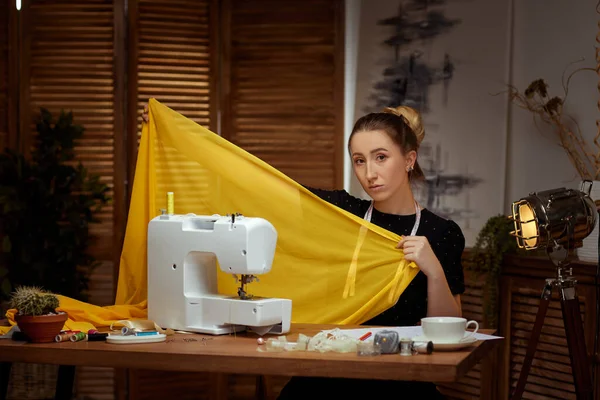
{"x": 145, "y": 113}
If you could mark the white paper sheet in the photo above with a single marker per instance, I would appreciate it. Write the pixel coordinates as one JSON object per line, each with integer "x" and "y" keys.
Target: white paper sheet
{"x": 403, "y": 332}
{"x": 8, "y": 335}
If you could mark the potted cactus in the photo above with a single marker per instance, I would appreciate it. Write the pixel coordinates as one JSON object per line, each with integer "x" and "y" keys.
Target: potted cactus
{"x": 36, "y": 313}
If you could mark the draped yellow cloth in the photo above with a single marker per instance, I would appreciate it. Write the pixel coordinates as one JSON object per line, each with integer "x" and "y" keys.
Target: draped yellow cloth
{"x": 336, "y": 267}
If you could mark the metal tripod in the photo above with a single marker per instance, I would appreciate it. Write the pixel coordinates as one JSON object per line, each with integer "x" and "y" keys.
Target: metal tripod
{"x": 580, "y": 362}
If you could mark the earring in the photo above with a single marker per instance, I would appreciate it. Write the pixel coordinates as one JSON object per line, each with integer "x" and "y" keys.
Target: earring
{"x": 409, "y": 168}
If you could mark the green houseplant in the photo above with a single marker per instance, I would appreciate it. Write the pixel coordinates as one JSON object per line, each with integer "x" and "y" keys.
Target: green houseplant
{"x": 47, "y": 203}
{"x": 36, "y": 314}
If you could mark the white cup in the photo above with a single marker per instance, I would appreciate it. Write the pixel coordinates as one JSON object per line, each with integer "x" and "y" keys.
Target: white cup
{"x": 447, "y": 329}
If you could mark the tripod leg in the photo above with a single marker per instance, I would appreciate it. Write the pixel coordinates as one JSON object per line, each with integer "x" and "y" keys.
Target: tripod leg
{"x": 533, "y": 341}
{"x": 580, "y": 362}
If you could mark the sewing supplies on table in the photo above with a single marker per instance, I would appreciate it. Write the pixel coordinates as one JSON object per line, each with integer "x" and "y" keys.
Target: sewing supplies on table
{"x": 387, "y": 341}
{"x": 127, "y": 331}
{"x": 183, "y": 253}
{"x": 137, "y": 333}
{"x": 136, "y": 339}
{"x": 170, "y": 203}
{"x": 77, "y": 336}
{"x": 151, "y": 333}
{"x": 406, "y": 347}
{"x": 384, "y": 342}
{"x": 64, "y": 336}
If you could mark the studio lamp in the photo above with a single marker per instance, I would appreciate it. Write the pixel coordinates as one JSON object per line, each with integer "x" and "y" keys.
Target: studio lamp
{"x": 558, "y": 220}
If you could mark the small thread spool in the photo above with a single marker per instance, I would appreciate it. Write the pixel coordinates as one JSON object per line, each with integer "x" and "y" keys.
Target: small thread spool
{"x": 92, "y": 331}
{"x": 170, "y": 203}
{"x": 125, "y": 331}
{"x": 423, "y": 347}
{"x": 406, "y": 347}
{"x": 63, "y": 336}
{"x": 78, "y": 337}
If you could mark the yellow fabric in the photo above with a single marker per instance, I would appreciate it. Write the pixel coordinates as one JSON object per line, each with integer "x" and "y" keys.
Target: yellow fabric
{"x": 336, "y": 267}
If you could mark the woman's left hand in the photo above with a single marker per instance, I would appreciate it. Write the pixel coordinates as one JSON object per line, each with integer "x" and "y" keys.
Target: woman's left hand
{"x": 418, "y": 249}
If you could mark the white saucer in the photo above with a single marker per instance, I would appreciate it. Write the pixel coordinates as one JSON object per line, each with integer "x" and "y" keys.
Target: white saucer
{"x": 132, "y": 339}
{"x": 466, "y": 342}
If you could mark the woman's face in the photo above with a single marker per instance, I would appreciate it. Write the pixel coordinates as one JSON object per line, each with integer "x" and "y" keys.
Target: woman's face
{"x": 379, "y": 164}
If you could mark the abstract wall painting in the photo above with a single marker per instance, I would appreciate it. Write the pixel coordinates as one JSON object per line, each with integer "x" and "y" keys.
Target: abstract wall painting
{"x": 423, "y": 54}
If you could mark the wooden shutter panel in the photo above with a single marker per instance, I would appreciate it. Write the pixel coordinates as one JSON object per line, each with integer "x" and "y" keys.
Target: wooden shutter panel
{"x": 172, "y": 56}
{"x": 285, "y": 71}
{"x": 469, "y": 386}
{"x": 550, "y": 375}
{"x": 71, "y": 67}
{"x": 171, "y": 61}
{"x": 521, "y": 284}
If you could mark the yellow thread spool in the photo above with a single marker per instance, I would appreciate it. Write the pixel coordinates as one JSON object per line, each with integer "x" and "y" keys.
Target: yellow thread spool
{"x": 170, "y": 203}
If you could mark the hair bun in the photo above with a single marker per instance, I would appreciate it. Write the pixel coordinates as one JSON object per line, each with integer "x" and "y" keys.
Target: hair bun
{"x": 412, "y": 117}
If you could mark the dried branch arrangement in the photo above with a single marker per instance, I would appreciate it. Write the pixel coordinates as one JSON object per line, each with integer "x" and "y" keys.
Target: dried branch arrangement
{"x": 549, "y": 110}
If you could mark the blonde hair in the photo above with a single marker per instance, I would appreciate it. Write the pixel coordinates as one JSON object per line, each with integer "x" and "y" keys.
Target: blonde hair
{"x": 412, "y": 117}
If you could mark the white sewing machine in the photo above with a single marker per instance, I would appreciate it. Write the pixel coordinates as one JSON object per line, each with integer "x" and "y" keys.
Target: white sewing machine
{"x": 182, "y": 274}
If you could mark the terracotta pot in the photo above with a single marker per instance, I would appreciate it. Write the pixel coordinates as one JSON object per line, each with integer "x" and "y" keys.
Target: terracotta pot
{"x": 41, "y": 328}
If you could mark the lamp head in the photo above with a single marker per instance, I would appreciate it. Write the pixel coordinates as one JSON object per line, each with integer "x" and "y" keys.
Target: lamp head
{"x": 557, "y": 217}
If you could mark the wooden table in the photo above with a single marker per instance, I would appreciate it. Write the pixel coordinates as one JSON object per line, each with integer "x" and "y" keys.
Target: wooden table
{"x": 238, "y": 354}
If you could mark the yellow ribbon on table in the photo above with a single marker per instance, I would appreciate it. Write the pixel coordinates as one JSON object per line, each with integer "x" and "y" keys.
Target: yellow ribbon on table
{"x": 334, "y": 266}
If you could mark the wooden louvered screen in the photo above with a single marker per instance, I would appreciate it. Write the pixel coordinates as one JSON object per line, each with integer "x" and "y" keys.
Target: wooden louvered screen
{"x": 4, "y": 63}
{"x": 171, "y": 61}
{"x": 519, "y": 297}
{"x": 470, "y": 386}
{"x": 550, "y": 375}
{"x": 71, "y": 69}
{"x": 285, "y": 70}
{"x": 521, "y": 285}
{"x": 71, "y": 65}
{"x": 173, "y": 56}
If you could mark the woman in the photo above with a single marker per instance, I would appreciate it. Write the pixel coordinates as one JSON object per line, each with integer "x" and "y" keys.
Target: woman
{"x": 383, "y": 147}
